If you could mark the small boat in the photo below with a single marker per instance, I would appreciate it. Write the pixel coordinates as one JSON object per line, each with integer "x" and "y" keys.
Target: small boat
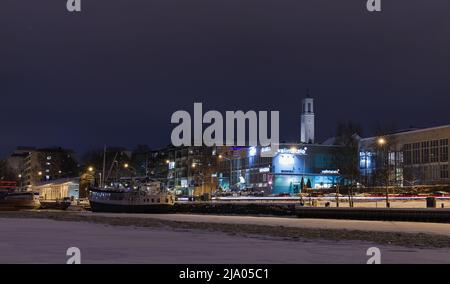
{"x": 17, "y": 200}
{"x": 143, "y": 198}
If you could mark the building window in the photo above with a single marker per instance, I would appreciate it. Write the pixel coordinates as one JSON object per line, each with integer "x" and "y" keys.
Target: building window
{"x": 425, "y": 152}
{"x": 444, "y": 150}
{"x": 416, "y": 153}
{"x": 407, "y": 155}
{"x": 309, "y": 107}
{"x": 444, "y": 171}
{"x": 434, "y": 153}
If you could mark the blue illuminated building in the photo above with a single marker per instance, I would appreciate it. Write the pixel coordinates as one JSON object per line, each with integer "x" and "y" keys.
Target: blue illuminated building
{"x": 291, "y": 170}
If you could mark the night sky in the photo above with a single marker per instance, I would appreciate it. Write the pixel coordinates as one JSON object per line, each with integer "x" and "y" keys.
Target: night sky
{"x": 116, "y": 72}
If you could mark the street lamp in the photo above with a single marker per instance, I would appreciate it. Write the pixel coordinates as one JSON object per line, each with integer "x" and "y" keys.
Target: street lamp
{"x": 382, "y": 143}
{"x": 20, "y": 181}
{"x": 132, "y": 169}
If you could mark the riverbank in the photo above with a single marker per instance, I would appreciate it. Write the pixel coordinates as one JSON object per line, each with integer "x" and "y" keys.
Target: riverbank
{"x": 278, "y": 227}
{"x": 132, "y": 240}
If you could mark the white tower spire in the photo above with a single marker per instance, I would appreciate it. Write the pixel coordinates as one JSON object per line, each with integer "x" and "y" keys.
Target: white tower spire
{"x": 307, "y": 120}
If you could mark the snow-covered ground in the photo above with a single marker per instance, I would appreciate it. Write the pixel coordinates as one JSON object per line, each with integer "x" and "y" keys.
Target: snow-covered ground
{"x": 46, "y": 241}
{"x": 335, "y": 224}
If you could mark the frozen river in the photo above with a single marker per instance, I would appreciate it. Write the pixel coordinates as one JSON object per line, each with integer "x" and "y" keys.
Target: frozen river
{"x": 46, "y": 241}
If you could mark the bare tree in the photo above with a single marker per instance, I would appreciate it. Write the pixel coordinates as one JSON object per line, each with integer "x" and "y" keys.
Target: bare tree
{"x": 348, "y": 156}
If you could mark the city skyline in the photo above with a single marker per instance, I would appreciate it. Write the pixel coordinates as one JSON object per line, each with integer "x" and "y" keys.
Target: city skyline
{"x": 264, "y": 57}
{"x": 215, "y": 140}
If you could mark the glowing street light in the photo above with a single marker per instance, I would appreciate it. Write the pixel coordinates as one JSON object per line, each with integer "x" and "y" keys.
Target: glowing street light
{"x": 91, "y": 169}
{"x": 381, "y": 141}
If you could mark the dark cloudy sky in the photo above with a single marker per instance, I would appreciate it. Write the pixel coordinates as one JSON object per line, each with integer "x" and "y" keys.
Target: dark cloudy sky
{"x": 116, "y": 72}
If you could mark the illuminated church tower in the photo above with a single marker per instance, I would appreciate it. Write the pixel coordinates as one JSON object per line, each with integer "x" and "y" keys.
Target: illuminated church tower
{"x": 307, "y": 120}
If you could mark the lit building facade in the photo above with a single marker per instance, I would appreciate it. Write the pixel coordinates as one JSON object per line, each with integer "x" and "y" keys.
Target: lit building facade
{"x": 291, "y": 170}
{"x": 58, "y": 189}
{"x": 408, "y": 158}
{"x": 190, "y": 170}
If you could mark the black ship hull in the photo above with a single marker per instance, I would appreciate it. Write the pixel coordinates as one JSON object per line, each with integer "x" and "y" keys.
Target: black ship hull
{"x": 120, "y": 208}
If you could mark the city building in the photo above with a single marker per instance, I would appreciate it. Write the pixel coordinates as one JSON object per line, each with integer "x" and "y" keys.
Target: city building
{"x": 34, "y": 165}
{"x": 307, "y": 121}
{"x": 158, "y": 167}
{"x": 16, "y": 163}
{"x": 190, "y": 170}
{"x": 407, "y": 158}
{"x": 58, "y": 189}
{"x": 294, "y": 168}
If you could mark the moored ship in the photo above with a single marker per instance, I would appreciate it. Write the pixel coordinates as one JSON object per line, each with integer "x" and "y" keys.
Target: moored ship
{"x": 11, "y": 198}
{"x": 143, "y": 198}
{"x": 11, "y": 201}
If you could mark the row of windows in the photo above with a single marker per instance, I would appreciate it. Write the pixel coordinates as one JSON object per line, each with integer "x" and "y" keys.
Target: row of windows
{"x": 427, "y": 172}
{"x": 426, "y": 152}
{"x": 243, "y": 163}
{"x": 444, "y": 171}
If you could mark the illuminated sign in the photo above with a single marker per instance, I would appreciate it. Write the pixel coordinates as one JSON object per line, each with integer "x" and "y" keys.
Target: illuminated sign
{"x": 293, "y": 150}
{"x": 264, "y": 170}
{"x": 171, "y": 165}
{"x": 330, "y": 172}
